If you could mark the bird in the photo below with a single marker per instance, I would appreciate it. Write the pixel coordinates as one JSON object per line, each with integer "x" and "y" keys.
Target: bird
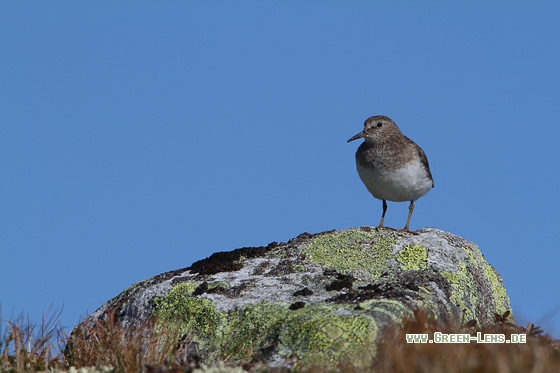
{"x": 391, "y": 166}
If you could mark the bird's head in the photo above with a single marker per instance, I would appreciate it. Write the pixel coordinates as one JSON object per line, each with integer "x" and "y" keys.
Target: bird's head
{"x": 376, "y": 128}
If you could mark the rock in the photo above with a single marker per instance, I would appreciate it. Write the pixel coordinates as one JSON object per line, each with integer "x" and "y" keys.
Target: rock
{"x": 317, "y": 300}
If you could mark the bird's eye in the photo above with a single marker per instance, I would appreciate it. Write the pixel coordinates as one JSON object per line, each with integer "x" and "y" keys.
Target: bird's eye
{"x": 379, "y": 124}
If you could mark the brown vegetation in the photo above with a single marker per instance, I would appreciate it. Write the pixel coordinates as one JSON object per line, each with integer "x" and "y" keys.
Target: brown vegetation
{"x": 27, "y": 347}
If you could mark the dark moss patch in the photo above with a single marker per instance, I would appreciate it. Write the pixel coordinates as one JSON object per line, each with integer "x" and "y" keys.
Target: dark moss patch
{"x": 229, "y": 261}
{"x": 342, "y": 282}
{"x": 413, "y": 280}
{"x": 162, "y": 277}
{"x": 285, "y": 267}
{"x": 296, "y": 306}
{"x": 234, "y": 291}
{"x": 260, "y": 269}
{"x": 372, "y": 291}
{"x": 302, "y": 236}
{"x": 201, "y": 289}
{"x": 305, "y": 292}
{"x": 305, "y": 236}
{"x": 406, "y": 287}
{"x": 179, "y": 280}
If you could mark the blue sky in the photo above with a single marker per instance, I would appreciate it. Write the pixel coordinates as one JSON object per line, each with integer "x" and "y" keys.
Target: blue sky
{"x": 138, "y": 137}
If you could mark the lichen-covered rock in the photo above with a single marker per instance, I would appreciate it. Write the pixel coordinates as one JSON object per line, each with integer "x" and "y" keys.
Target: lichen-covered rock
{"x": 317, "y": 300}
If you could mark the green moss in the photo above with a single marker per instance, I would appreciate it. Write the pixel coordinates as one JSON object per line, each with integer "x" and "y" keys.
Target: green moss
{"x": 413, "y": 257}
{"x": 186, "y": 313}
{"x": 352, "y": 250}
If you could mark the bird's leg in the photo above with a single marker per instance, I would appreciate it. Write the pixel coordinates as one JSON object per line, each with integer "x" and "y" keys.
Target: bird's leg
{"x": 410, "y": 209}
{"x": 383, "y": 214}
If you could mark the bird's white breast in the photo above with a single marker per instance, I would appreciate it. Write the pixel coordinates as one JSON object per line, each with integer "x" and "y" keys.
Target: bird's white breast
{"x": 407, "y": 183}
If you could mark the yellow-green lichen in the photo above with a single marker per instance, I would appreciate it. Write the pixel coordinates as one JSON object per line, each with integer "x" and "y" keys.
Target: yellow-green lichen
{"x": 322, "y": 337}
{"x": 426, "y": 300}
{"x": 187, "y": 313}
{"x": 498, "y": 290}
{"x": 352, "y": 250}
{"x": 221, "y": 285}
{"x": 393, "y": 309}
{"x": 462, "y": 292}
{"x": 501, "y": 300}
{"x": 318, "y": 335}
{"x": 250, "y": 328}
{"x": 413, "y": 257}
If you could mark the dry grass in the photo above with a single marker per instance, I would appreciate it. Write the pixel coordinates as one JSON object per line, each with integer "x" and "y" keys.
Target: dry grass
{"x": 27, "y": 347}
{"x": 128, "y": 349}
{"x": 540, "y": 353}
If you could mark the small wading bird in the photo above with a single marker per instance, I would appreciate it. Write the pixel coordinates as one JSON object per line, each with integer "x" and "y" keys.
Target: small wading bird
{"x": 392, "y": 166}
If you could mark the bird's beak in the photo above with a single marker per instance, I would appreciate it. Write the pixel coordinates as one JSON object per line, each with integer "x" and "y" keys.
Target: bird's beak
{"x": 356, "y": 136}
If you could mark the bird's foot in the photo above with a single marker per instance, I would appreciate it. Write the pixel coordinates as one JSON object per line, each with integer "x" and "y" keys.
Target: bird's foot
{"x": 382, "y": 227}
{"x": 406, "y": 230}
